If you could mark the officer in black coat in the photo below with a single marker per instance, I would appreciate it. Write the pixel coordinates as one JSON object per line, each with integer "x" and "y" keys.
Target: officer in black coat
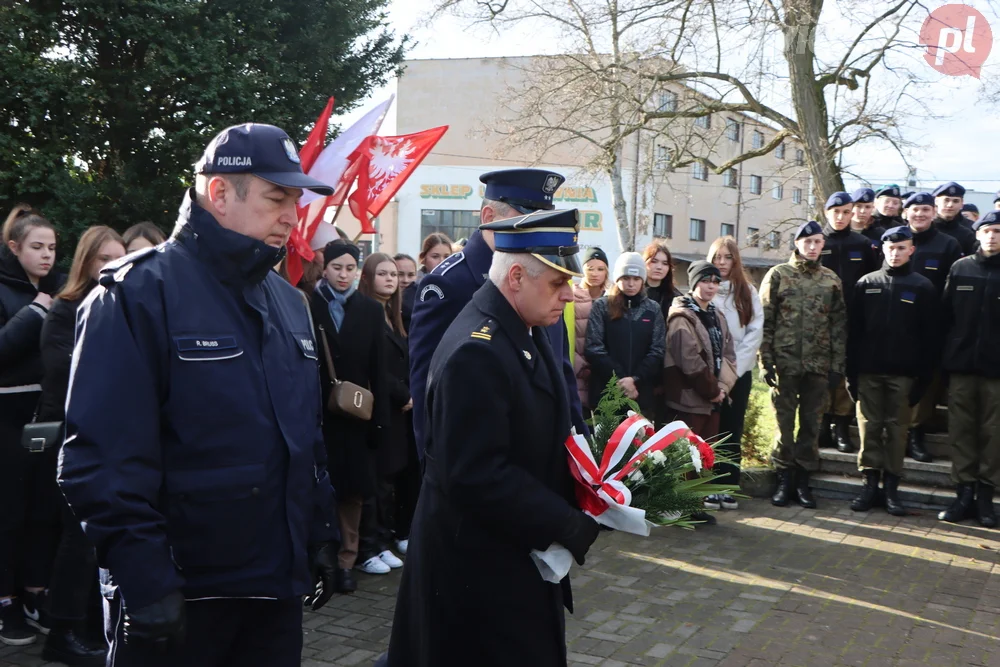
{"x": 851, "y": 256}
{"x": 898, "y": 305}
{"x": 193, "y": 456}
{"x": 888, "y": 207}
{"x": 497, "y": 483}
{"x": 935, "y": 253}
{"x": 972, "y": 359}
{"x": 948, "y": 200}
{"x": 863, "y": 221}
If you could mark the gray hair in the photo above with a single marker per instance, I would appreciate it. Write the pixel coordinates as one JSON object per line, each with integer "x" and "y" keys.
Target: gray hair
{"x": 503, "y": 262}
{"x": 502, "y": 210}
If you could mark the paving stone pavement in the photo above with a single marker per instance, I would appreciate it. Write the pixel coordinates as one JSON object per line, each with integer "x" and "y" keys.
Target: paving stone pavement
{"x": 767, "y": 586}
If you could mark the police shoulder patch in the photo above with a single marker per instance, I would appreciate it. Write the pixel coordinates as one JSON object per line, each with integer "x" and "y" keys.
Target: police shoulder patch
{"x": 431, "y": 290}
{"x": 116, "y": 271}
{"x": 484, "y": 331}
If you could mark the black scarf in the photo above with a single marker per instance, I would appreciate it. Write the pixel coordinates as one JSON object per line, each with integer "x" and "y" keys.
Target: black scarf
{"x": 710, "y": 321}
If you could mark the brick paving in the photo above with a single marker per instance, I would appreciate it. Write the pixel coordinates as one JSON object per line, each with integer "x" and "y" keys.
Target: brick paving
{"x": 765, "y": 587}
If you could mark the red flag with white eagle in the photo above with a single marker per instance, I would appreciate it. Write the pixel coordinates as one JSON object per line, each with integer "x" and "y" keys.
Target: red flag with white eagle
{"x": 384, "y": 164}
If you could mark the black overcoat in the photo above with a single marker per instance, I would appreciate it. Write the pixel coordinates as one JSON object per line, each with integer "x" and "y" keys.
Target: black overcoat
{"x": 398, "y": 446}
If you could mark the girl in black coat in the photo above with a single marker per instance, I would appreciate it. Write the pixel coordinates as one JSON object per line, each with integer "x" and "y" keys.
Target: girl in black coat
{"x": 73, "y": 585}
{"x": 352, "y": 325}
{"x": 398, "y": 467}
{"x": 28, "y": 493}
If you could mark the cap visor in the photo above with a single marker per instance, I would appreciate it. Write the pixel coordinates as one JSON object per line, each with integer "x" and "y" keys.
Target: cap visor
{"x": 569, "y": 265}
{"x": 292, "y": 179}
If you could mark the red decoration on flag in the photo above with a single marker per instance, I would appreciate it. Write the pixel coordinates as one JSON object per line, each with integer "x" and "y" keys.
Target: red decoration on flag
{"x": 383, "y": 165}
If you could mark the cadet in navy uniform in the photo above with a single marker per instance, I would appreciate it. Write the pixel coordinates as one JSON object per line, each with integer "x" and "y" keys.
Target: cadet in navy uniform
{"x": 443, "y": 292}
{"x": 497, "y": 483}
{"x": 888, "y": 207}
{"x": 193, "y": 456}
{"x": 863, "y": 220}
{"x": 972, "y": 359}
{"x": 948, "y": 200}
{"x": 888, "y": 378}
{"x": 970, "y": 212}
{"x": 851, "y": 256}
{"x": 936, "y": 252}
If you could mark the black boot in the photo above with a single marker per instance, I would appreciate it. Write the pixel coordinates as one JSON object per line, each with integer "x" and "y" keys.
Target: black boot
{"x": 962, "y": 507}
{"x": 915, "y": 446}
{"x": 802, "y": 491}
{"x": 826, "y": 433}
{"x": 866, "y": 499}
{"x": 67, "y": 646}
{"x": 344, "y": 581}
{"x": 843, "y": 432}
{"x": 890, "y": 484}
{"x": 783, "y": 491}
{"x": 984, "y": 502}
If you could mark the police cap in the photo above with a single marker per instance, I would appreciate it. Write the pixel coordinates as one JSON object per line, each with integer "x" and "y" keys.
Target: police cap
{"x": 525, "y": 190}
{"x": 970, "y": 208}
{"x": 551, "y": 236}
{"x": 838, "y": 199}
{"x": 863, "y": 196}
{"x": 991, "y": 218}
{"x": 891, "y": 190}
{"x": 919, "y": 198}
{"x": 897, "y": 234}
{"x": 265, "y": 151}
{"x": 950, "y": 189}
{"x": 810, "y": 228}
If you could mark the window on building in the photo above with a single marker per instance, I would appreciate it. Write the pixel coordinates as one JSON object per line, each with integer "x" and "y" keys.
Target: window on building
{"x": 777, "y": 190}
{"x": 728, "y": 229}
{"x": 663, "y": 225}
{"x": 667, "y": 101}
{"x": 703, "y": 121}
{"x": 663, "y": 157}
{"x": 758, "y": 139}
{"x": 756, "y": 185}
{"x": 796, "y": 195}
{"x": 779, "y": 152}
{"x": 800, "y": 157}
{"x": 456, "y": 224}
{"x": 774, "y": 240}
{"x": 699, "y": 171}
{"x": 697, "y": 229}
{"x": 732, "y": 129}
{"x": 753, "y": 237}
{"x": 791, "y": 240}
{"x": 729, "y": 178}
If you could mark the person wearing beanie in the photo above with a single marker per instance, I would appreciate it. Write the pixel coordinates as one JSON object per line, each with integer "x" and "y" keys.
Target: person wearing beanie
{"x": 351, "y": 326}
{"x": 595, "y": 282}
{"x": 801, "y": 357}
{"x": 851, "y": 256}
{"x": 625, "y": 336}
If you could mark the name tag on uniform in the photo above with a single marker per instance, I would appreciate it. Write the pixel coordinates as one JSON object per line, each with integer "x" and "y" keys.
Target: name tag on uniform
{"x": 932, "y": 264}
{"x": 855, "y": 255}
{"x": 966, "y": 288}
{"x": 206, "y": 348}
{"x": 827, "y": 252}
{"x": 909, "y": 297}
{"x": 874, "y": 290}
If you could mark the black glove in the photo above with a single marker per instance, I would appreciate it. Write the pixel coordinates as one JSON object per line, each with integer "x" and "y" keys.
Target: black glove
{"x": 918, "y": 389}
{"x": 834, "y": 379}
{"x": 160, "y": 623}
{"x": 771, "y": 378}
{"x": 581, "y": 532}
{"x": 322, "y": 568}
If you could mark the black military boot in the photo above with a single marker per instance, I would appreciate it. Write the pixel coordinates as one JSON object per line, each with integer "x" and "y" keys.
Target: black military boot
{"x": 890, "y": 484}
{"x": 984, "y": 503}
{"x": 802, "y": 491}
{"x": 843, "y": 434}
{"x": 915, "y": 446}
{"x": 783, "y": 490}
{"x": 962, "y": 507}
{"x": 65, "y": 645}
{"x": 826, "y": 433}
{"x": 866, "y": 499}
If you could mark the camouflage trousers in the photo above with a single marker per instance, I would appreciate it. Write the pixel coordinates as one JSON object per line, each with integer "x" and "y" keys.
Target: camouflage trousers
{"x": 806, "y": 396}
{"x": 974, "y": 429}
{"x": 883, "y": 416}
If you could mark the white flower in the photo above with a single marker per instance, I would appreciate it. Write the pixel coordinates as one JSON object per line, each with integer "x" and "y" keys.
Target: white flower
{"x": 636, "y": 476}
{"x": 695, "y": 458}
{"x": 658, "y": 457}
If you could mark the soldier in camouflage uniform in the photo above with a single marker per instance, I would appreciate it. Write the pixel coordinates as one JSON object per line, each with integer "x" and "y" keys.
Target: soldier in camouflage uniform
{"x": 802, "y": 357}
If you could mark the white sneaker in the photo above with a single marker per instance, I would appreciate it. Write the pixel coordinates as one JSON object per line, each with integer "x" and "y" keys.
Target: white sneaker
{"x": 401, "y": 546}
{"x": 712, "y": 502}
{"x": 374, "y": 565}
{"x": 390, "y": 559}
{"x": 728, "y": 502}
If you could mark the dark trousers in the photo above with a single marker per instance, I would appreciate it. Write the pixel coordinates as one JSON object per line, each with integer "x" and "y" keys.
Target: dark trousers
{"x": 883, "y": 415}
{"x": 220, "y": 633}
{"x": 974, "y": 429}
{"x": 731, "y": 418}
{"x": 73, "y": 585}
{"x": 397, "y": 500}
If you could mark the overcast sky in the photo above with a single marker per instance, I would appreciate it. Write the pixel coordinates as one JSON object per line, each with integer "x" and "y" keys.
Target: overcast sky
{"x": 962, "y": 146}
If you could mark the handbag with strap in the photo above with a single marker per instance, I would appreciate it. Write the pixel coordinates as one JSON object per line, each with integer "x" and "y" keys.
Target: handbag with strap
{"x": 40, "y": 436}
{"x": 346, "y": 398}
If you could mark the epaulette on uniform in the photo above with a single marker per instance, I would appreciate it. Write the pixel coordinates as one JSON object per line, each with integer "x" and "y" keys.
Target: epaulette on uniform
{"x": 450, "y": 262}
{"x": 485, "y": 330}
{"x": 116, "y": 271}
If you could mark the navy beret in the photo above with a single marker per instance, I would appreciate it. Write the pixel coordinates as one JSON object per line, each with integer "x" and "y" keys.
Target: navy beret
{"x": 810, "y": 228}
{"x": 950, "y": 189}
{"x": 863, "y": 196}
{"x": 996, "y": 197}
{"x": 891, "y": 190}
{"x": 838, "y": 199}
{"x": 918, "y": 198}
{"x": 991, "y": 218}
{"x": 897, "y": 234}
{"x": 970, "y": 207}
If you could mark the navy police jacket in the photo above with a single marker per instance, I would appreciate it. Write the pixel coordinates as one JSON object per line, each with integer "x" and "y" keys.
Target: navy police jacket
{"x": 936, "y": 252}
{"x": 440, "y": 297}
{"x": 194, "y": 456}
{"x": 972, "y": 317}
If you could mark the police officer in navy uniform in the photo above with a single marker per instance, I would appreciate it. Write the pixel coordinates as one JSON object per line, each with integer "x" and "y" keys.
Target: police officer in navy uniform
{"x": 888, "y": 378}
{"x": 193, "y": 456}
{"x": 935, "y": 253}
{"x": 888, "y": 207}
{"x": 863, "y": 220}
{"x": 443, "y": 292}
{"x": 948, "y": 200}
{"x": 851, "y": 256}
{"x": 497, "y": 483}
{"x": 970, "y": 212}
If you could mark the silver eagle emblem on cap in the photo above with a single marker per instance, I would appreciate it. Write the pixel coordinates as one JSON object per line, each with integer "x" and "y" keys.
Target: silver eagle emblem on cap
{"x": 551, "y": 184}
{"x": 290, "y": 151}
